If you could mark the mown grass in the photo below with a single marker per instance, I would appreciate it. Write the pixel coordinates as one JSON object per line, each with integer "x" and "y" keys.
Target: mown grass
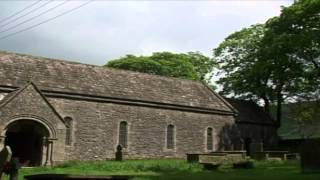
{"x": 178, "y": 169}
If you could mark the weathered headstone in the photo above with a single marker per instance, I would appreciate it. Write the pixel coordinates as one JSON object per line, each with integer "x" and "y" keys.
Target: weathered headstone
{"x": 256, "y": 149}
{"x": 256, "y": 146}
{"x": 5, "y": 157}
{"x": 119, "y": 153}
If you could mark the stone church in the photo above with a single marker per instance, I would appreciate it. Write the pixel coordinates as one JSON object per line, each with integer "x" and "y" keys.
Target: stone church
{"x": 53, "y": 111}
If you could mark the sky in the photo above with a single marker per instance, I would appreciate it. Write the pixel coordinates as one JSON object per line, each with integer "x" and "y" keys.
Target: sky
{"x": 103, "y": 30}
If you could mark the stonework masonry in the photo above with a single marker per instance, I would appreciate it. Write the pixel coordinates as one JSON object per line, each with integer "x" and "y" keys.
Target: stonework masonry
{"x": 97, "y": 99}
{"x": 97, "y": 129}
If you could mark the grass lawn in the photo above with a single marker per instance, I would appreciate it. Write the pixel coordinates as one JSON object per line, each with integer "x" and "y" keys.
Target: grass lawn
{"x": 178, "y": 169}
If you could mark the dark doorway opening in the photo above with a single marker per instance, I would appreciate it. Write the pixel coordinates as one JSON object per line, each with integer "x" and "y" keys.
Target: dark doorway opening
{"x": 247, "y": 144}
{"x": 26, "y": 140}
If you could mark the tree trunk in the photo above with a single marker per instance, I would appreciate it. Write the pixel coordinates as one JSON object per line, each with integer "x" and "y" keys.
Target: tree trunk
{"x": 279, "y": 107}
{"x": 266, "y": 105}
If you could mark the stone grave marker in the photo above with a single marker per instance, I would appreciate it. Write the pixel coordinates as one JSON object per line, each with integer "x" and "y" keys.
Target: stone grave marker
{"x": 119, "y": 153}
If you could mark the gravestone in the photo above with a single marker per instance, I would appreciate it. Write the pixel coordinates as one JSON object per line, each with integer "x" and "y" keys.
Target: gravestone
{"x": 256, "y": 149}
{"x": 310, "y": 155}
{"x": 256, "y": 146}
{"x": 5, "y": 157}
{"x": 119, "y": 153}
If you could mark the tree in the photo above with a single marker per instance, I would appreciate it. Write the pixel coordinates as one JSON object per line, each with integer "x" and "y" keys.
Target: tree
{"x": 203, "y": 65}
{"x": 192, "y": 65}
{"x": 245, "y": 76}
{"x": 134, "y": 63}
{"x": 291, "y": 44}
{"x": 306, "y": 115}
{"x": 295, "y": 34}
{"x": 275, "y": 62}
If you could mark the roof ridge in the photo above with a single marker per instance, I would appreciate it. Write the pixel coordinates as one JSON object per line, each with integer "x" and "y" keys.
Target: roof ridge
{"x": 57, "y": 75}
{"x": 222, "y": 99}
{"x": 95, "y": 66}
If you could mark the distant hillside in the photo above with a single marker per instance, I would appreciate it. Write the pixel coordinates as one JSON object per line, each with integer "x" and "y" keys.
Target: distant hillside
{"x": 290, "y": 128}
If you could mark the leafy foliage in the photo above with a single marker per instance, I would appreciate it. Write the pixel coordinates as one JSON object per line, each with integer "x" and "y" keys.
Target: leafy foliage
{"x": 192, "y": 65}
{"x": 299, "y": 120}
{"x": 245, "y": 75}
{"x": 134, "y": 63}
{"x": 277, "y": 62}
{"x": 292, "y": 43}
{"x": 306, "y": 115}
{"x": 291, "y": 46}
{"x": 307, "y": 112}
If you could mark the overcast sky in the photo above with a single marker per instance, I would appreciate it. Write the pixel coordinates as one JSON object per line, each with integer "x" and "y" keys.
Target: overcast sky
{"x": 104, "y": 30}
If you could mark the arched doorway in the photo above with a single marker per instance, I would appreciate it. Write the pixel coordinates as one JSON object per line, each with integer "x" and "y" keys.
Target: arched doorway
{"x": 26, "y": 140}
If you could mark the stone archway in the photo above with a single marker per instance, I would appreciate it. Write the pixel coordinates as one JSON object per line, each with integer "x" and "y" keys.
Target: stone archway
{"x": 27, "y": 141}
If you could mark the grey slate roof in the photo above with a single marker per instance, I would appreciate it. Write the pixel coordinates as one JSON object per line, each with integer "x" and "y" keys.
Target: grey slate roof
{"x": 250, "y": 112}
{"x": 68, "y": 77}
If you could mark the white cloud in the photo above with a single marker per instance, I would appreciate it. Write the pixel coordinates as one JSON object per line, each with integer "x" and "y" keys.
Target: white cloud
{"x": 109, "y": 29}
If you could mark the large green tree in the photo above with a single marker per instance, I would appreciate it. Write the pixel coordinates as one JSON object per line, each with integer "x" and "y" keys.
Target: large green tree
{"x": 291, "y": 45}
{"x": 294, "y": 37}
{"x": 192, "y": 65}
{"x": 275, "y": 62}
{"x": 136, "y": 63}
{"x": 244, "y": 75}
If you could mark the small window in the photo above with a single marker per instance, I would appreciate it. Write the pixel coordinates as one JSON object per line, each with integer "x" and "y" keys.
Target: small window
{"x": 68, "y": 121}
{"x": 209, "y": 139}
{"x": 170, "y": 137}
{"x": 123, "y": 134}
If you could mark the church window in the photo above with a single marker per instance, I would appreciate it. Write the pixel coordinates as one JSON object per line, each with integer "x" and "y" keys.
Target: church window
{"x": 123, "y": 134}
{"x": 209, "y": 139}
{"x": 68, "y": 121}
{"x": 170, "y": 137}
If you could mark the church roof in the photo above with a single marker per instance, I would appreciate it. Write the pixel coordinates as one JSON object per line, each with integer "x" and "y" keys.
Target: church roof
{"x": 250, "y": 112}
{"x": 52, "y": 75}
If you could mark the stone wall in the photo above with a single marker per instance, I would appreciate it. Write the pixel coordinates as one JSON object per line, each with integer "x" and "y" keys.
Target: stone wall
{"x": 260, "y": 133}
{"x": 97, "y": 99}
{"x": 96, "y": 129}
{"x": 28, "y": 104}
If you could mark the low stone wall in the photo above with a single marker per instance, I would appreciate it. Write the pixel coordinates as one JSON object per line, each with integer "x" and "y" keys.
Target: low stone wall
{"x": 218, "y": 157}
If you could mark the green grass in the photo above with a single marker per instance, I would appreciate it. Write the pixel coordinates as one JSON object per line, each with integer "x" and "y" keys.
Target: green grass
{"x": 178, "y": 169}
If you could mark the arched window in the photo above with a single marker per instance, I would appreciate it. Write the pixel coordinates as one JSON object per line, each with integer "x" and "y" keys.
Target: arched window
{"x": 209, "y": 139}
{"x": 68, "y": 121}
{"x": 123, "y": 134}
{"x": 170, "y": 137}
